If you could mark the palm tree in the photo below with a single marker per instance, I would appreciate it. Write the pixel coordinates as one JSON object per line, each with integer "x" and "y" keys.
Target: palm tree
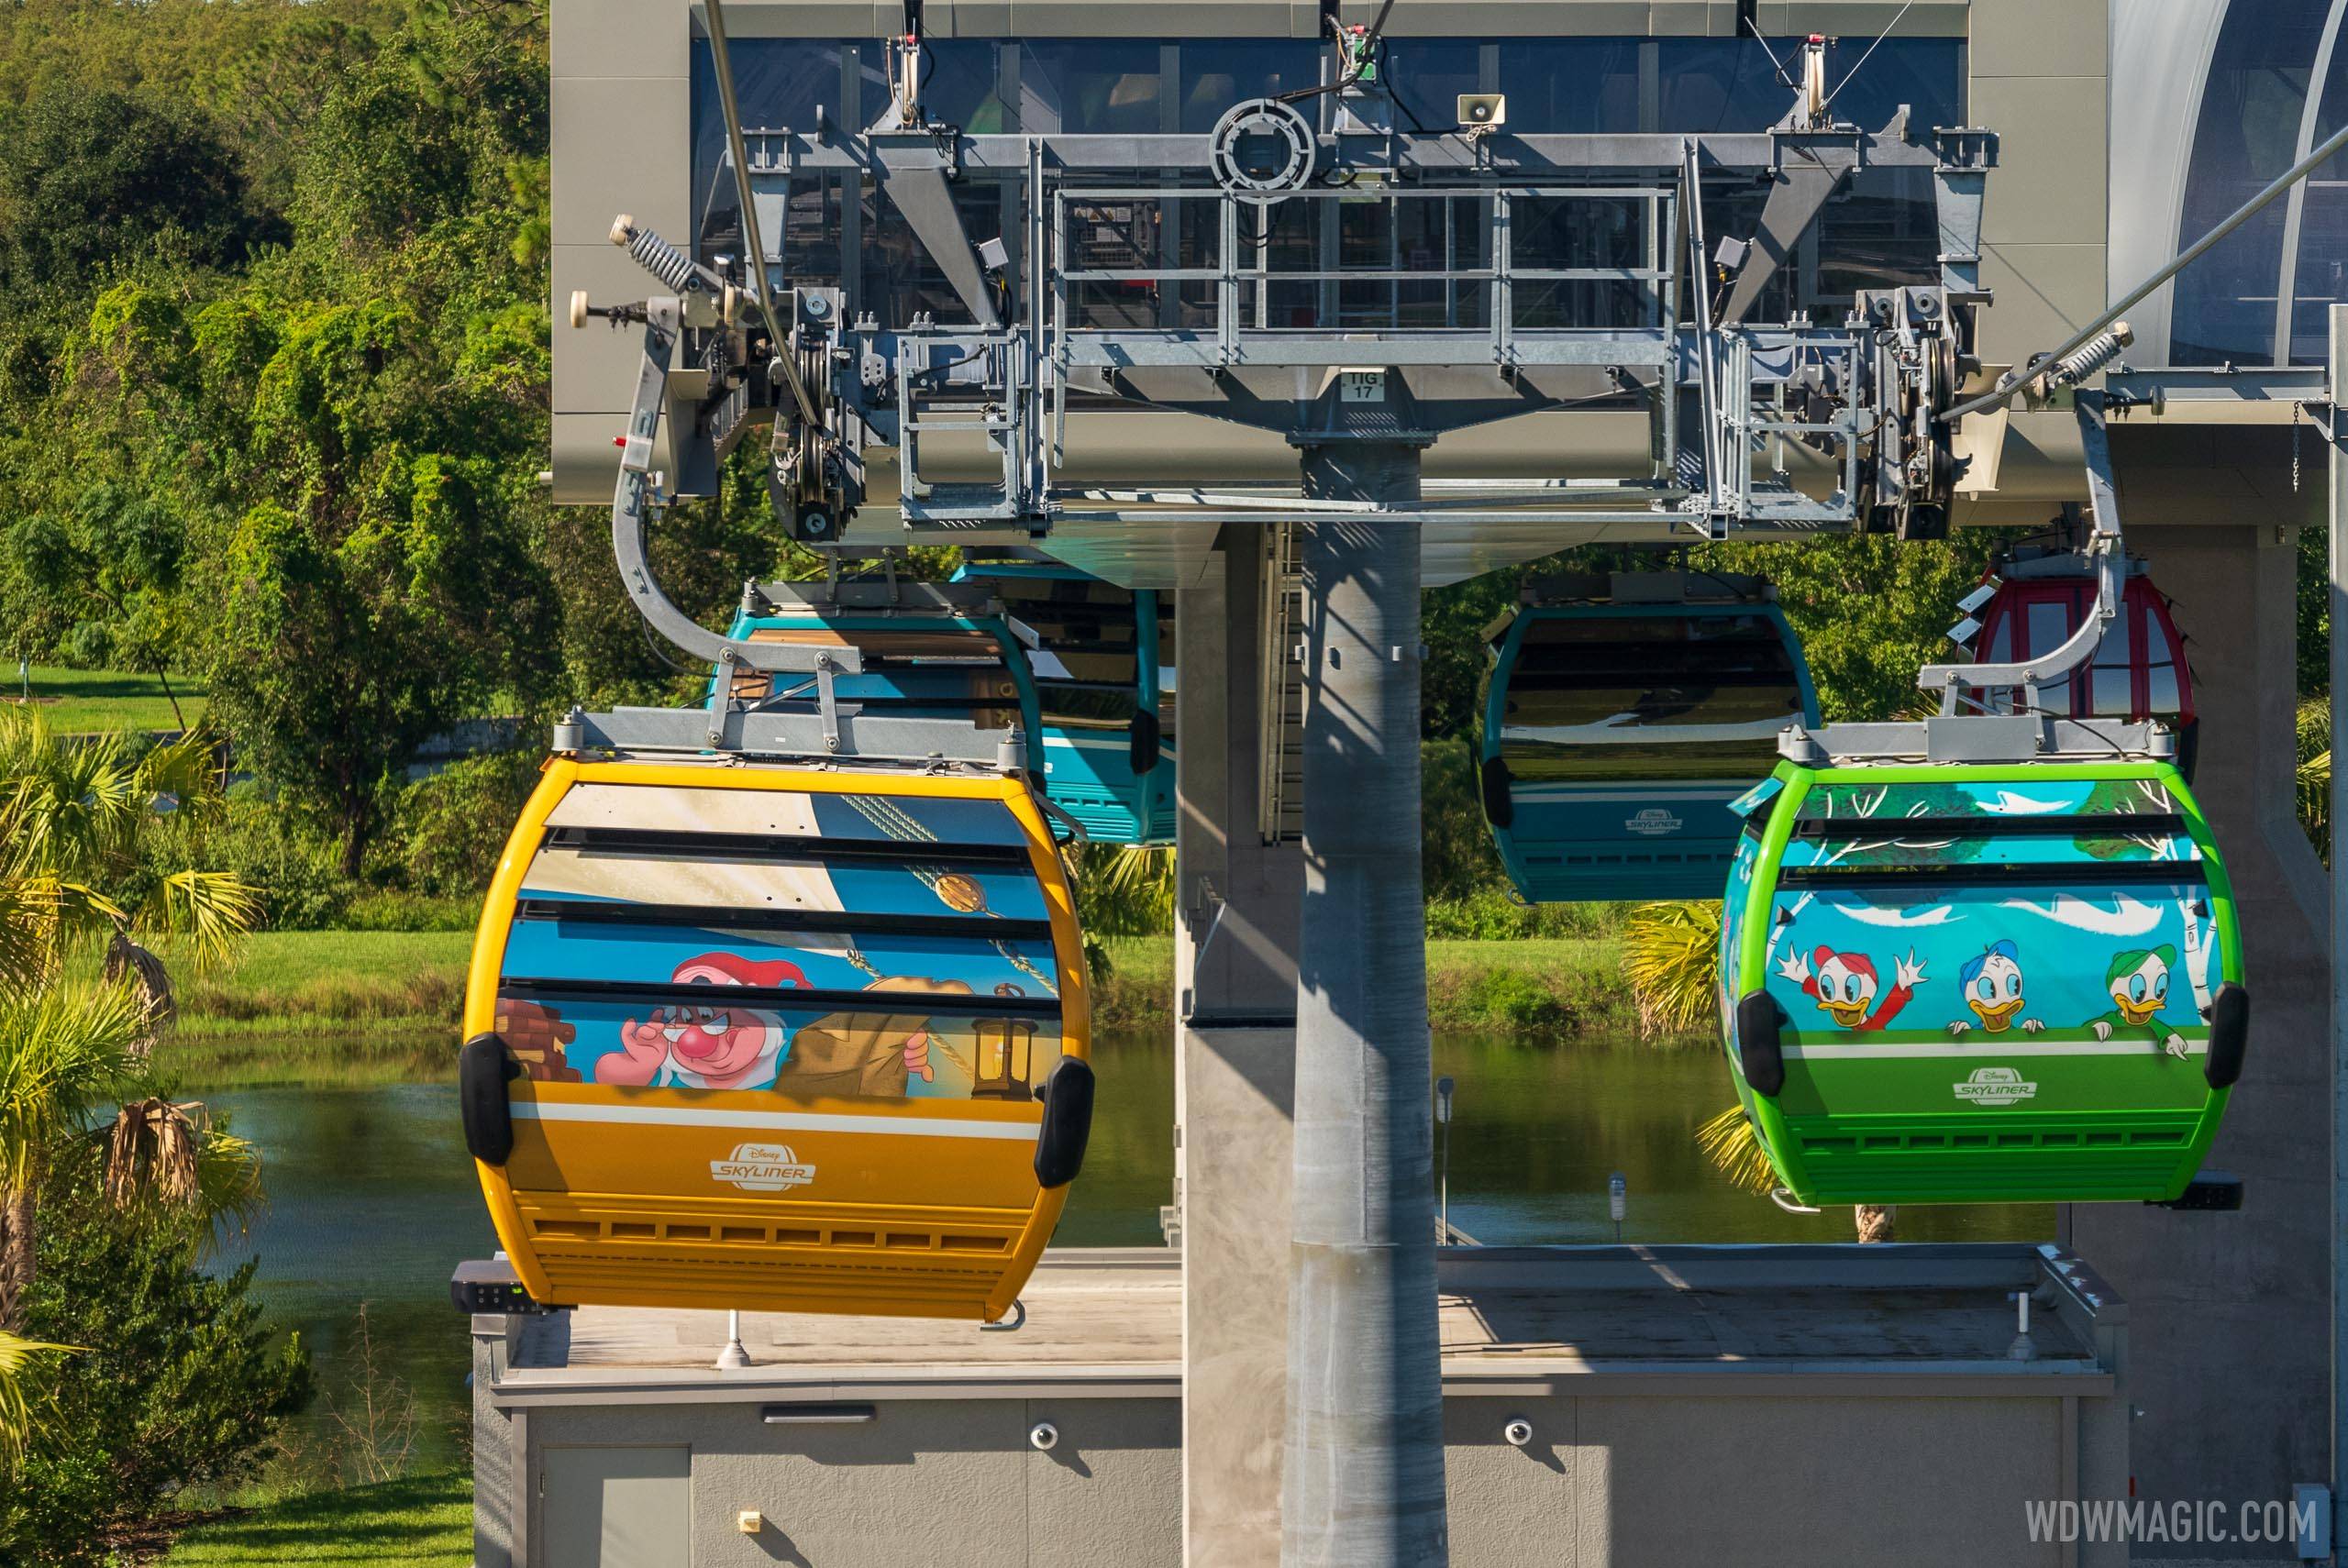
{"x": 65, "y": 1046}
{"x": 159, "y": 1151}
{"x": 1671, "y": 955}
{"x": 95, "y": 838}
{"x": 90, "y": 836}
{"x": 1125, "y": 889}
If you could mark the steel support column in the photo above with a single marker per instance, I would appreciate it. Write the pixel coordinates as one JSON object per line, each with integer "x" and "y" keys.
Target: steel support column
{"x": 2337, "y": 467}
{"x": 1363, "y": 1484}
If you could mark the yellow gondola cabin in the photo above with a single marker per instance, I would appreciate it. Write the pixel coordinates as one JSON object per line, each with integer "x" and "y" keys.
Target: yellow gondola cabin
{"x": 791, "y": 1038}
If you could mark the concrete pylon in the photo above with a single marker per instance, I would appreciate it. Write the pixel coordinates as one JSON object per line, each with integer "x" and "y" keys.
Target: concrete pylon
{"x": 1363, "y": 1484}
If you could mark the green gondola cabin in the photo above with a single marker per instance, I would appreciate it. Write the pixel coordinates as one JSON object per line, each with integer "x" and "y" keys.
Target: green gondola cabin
{"x": 1981, "y": 983}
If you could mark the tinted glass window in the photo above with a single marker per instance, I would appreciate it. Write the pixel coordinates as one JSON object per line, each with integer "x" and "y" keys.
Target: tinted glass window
{"x": 2247, "y": 134}
{"x": 1617, "y": 697}
{"x": 1089, "y": 627}
{"x": 2048, "y": 626}
{"x": 1427, "y": 75}
{"x": 1210, "y": 77}
{"x": 2320, "y": 273}
{"x": 781, "y": 83}
{"x": 1093, "y": 85}
{"x": 1571, "y": 86}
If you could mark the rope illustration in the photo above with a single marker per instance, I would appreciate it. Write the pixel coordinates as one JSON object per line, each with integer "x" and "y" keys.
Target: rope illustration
{"x": 954, "y": 890}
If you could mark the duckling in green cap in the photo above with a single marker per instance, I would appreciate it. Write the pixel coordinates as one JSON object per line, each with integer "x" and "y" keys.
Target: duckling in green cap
{"x": 2138, "y": 982}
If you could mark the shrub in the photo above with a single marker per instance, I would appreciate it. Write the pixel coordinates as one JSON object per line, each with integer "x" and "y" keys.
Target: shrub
{"x": 1517, "y": 1003}
{"x": 449, "y": 829}
{"x": 178, "y": 1385}
{"x": 293, "y": 867}
{"x": 395, "y": 908}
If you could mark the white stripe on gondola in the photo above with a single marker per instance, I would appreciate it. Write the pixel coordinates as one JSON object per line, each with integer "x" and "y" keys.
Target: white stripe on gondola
{"x": 773, "y": 1121}
{"x": 1990, "y": 1054}
{"x": 1576, "y": 794}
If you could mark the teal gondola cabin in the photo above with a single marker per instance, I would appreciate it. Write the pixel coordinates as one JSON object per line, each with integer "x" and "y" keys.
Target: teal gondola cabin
{"x": 966, "y": 667}
{"x": 1104, "y": 667}
{"x": 1621, "y": 720}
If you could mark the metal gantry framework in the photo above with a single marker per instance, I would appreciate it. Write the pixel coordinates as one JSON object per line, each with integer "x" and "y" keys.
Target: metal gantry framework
{"x": 1309, "y": 269}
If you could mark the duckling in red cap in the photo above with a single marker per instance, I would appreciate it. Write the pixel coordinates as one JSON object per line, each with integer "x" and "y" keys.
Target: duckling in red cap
{"x": 1844, "y": 986}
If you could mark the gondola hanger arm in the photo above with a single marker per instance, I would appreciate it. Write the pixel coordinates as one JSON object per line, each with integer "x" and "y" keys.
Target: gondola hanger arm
{"x": 663, "y": 317}
{"x": 2105, "y": 552}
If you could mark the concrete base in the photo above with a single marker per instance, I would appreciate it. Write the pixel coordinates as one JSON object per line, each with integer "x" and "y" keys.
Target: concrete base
{"x": 1604, "y": 1408}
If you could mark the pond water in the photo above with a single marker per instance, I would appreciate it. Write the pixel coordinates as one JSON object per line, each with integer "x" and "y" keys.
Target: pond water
{"x": 372, "y": 1199}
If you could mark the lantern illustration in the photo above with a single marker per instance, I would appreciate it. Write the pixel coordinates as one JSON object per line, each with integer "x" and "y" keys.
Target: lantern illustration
{"x": 1005, "y": 1058}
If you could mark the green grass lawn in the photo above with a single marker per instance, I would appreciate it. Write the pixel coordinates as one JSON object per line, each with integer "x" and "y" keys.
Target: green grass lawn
{"x": 77, "y": 700}
{"x": 418, "y": 1521}
{"x": 340, "y": 982}
{"x": 1534, "y": 986}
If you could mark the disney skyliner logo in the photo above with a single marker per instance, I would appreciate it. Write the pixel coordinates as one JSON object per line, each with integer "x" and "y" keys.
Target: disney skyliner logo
{"x": 2202, "y": 1523}
{"x": 762, "y": 1167}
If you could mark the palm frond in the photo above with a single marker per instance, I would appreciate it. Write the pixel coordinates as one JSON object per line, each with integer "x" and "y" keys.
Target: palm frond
{"x": 127, "y": 962}
{"x": 150, "y": 1153}
{"x": 1729, "y": 1142}
{"x": 20, "y": 1361}
{"x": 227, "y": 1184}
{"x": 63, "y": 1047}
{"x": 1126, "y": 891}
{"x": 165, "y": 1152}
{"x": 70, "y": 804}
{"x": 2314, "y": 773}
{"x": 1671, "y": 956}
{"x": 31, "y": 927}
{"x": 205, "y": 911}
{"x": 185, "y": 773}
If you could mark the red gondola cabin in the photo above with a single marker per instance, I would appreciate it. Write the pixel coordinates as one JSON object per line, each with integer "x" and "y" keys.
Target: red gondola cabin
{"x": 2138, "y": 672}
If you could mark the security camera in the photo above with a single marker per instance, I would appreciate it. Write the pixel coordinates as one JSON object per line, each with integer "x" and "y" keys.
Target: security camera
{"x": 1481, "y": 111}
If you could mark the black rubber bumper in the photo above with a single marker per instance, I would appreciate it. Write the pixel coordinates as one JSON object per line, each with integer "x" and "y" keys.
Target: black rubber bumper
{"x": 1493, "y": 779}
{"x": 1759, "y": 1050}
{"x": 1142, "y": 737}
{"x": 2228, "y": 1035}
{"x": 484, "y": 1069}
{"x": 1067, "y": 1123}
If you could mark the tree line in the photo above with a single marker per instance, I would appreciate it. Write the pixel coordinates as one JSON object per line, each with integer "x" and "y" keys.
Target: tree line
{"x": 273, "y": 383}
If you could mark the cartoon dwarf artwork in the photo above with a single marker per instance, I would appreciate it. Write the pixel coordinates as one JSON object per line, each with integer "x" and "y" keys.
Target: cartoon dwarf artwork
{"x": 2138, "y": 982}
{"x": 871, "y": 1053}
{"x": 1845, "y": 986}
{"x": 1990, "y": 984}
{"x": 712, "y": 1045}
